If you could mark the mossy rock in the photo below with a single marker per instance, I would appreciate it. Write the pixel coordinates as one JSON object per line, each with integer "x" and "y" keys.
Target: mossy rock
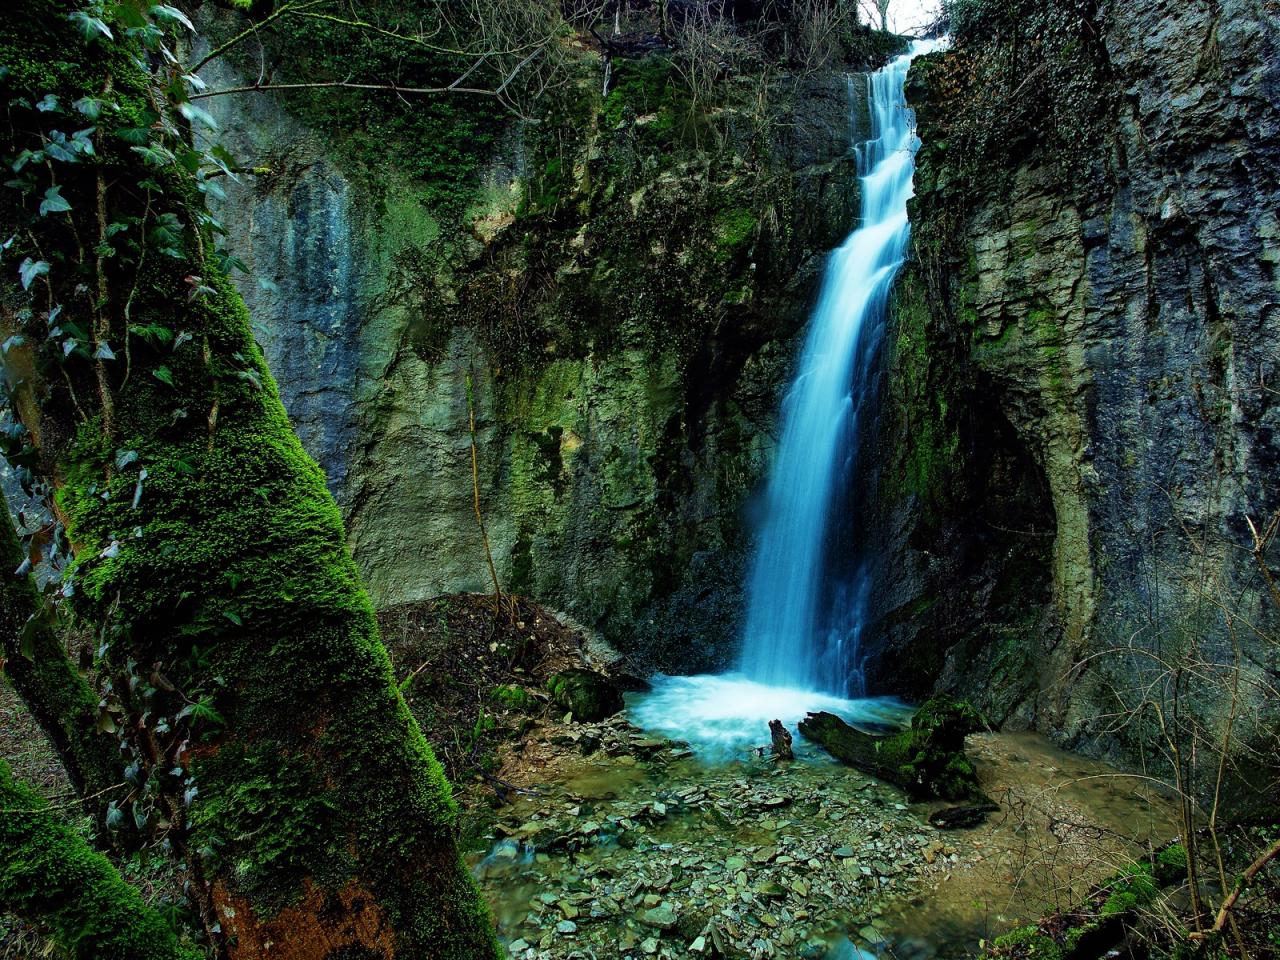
{"x": 588, "y": 695}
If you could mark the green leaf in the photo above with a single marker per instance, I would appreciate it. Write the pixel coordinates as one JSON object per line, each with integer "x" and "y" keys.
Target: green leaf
{"x": 135, "y": 135}
{"x": 172, "y": 14}
{"x": 156, "y": 156}
{"x": 196, "y": 115}
{"x": 163, "y": 374}
{"x": 54, "y": 202}
{"x": 90, "y": 26}
{"x": 30, "y": 269}
{"x": 153, "y": 333}
{"x": 91, "y": 107}
{"x": 27, "y": 639}
{"x": 25, "y": 157}
{"x": 48, "y": 103}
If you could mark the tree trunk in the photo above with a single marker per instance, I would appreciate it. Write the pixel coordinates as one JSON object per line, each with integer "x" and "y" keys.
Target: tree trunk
{"x": 270, "y": 741}
{"x": 49, "y": 874}
{"x": 62, "y": 703}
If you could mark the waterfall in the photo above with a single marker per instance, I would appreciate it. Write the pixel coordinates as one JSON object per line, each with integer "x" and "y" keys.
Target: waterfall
{"x": 804, "y": 622}
{"x": 802, "y": 629}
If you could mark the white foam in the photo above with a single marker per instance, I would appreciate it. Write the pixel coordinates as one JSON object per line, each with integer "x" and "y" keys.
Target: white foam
{"x": 724, "y": 716}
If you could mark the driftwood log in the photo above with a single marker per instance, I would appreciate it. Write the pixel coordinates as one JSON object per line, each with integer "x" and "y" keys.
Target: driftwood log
{"x": 927, "y": 760}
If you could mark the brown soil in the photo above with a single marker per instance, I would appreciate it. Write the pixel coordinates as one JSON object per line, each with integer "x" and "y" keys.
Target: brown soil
{"x": 473, "y": 677}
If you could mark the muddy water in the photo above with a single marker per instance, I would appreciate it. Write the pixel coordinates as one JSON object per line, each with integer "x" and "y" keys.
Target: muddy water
{"x": 627, "y": 846}
{"x": 1065, "y": 824}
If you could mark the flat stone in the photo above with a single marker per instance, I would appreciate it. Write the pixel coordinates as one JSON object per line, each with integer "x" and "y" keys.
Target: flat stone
{"x": 662, "y": 917}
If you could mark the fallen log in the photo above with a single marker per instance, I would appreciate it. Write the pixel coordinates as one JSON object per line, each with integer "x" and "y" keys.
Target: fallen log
{"x": 927, "y": 760}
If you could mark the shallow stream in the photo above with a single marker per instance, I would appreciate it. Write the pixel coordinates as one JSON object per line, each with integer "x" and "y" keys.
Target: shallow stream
{"x": 626, "y": 844}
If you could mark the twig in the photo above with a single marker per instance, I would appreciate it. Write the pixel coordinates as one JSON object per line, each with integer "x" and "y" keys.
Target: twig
{"x": 1245, "y": 879}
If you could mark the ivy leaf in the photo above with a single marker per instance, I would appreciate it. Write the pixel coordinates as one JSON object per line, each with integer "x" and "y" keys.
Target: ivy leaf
{"x": 91, "y": 27}
{"x": 91, "y": 107}
{"x": 25, "y": 157}
{"x": 104, "y": 352}
{"x": 48, "y": 103}
{"x": 173, "y": 14}
{"x": 195, "y": 115}
{"x": 155, "y": 156}
{"x": 30, "y": 269}
{"x": 163, "y": 374}
{"x": 125, "y": 457}
{"x": 54, "y": 202}
{"x": 16, "y": 340}
{"x": 115, "y": 816}
{"x": 27, "y": 638}
{"x": 135, "y": 135}
{"x": 111, "y": 551}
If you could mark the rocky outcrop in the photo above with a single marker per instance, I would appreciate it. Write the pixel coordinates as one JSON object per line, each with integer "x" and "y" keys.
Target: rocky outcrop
{"x": 621, "y": 314}
{"x": 1085, "y": 418}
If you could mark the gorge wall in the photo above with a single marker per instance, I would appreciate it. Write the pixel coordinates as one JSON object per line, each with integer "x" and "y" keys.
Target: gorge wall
{"x": 1078, "y": 423}
{"x": 1083, "y": 421}
{"x": 619, "y": 296}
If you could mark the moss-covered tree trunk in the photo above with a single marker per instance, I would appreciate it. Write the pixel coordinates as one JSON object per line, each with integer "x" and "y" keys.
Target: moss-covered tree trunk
{"x": 38, "y": 668}
{"x": 270, "y": 741}
{"x": 48, "y": 874}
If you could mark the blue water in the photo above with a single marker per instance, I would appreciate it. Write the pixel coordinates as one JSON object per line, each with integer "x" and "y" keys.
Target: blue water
{"x": 803, "y": 637}
{"x": 802, "y": 630}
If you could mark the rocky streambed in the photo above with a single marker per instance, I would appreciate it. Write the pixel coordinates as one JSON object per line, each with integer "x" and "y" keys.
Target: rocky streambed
{"x": 618, "y": 844}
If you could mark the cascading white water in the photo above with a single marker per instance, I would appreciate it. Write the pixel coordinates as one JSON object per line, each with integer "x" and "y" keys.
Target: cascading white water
{"x": 803, "y": 628}
{"x": 801, "y": 632}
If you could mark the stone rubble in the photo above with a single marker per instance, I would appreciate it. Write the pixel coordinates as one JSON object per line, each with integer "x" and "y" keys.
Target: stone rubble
{"x": 632, "y": 848}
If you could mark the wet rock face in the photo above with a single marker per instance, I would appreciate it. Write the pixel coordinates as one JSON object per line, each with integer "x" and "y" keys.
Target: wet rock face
{"x": 617, "y": 454}
{"x": 1125, "y": 331}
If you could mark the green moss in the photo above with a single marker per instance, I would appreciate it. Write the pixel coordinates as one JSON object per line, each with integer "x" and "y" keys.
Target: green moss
{"x": 1172, "y": 859}
{"x": 1135, "y": 887}
{"x": 929, "y": 756}
{"x": 641, "y": 87}
{"x": 49, "y": 875}
{"x": 926, "y": 468}
{"x": 512, "y": 697}
{"x": 225, "y": 568}
{"x": 441, "y": 143}
{"x": 733, "y": 229}
{"x": 1029, "y": 942}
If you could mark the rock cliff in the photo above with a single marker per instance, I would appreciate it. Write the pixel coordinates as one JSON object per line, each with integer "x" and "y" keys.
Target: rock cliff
{"x": 622, "y": 295}
{"x": 1082, "y": 422}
